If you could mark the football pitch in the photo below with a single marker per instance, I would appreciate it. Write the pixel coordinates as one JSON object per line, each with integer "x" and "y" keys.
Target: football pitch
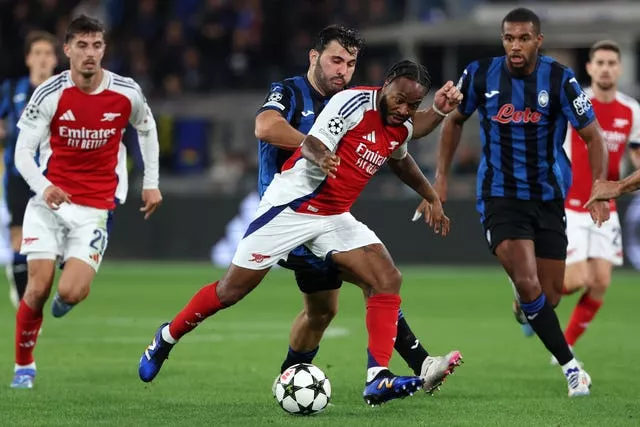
{"x": 221, "y": 374}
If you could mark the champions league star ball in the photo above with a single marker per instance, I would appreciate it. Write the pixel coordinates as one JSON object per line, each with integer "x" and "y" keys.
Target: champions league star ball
{"x": 302, "y": 389}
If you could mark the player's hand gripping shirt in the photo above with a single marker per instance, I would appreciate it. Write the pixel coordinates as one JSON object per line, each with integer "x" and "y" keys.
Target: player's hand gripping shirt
{"x": 351, "y": 127}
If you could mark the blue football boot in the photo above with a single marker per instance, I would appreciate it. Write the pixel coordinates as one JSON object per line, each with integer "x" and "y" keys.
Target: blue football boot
{"x": 154, "y": 356}
{"x": 387, "y": 386}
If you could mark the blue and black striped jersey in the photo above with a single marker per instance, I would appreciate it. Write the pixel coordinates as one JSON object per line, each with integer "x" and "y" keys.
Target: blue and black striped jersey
{"x": 14, "y": 95}
{"x": 300, "y": 104}
{"x": 523, "y": 124}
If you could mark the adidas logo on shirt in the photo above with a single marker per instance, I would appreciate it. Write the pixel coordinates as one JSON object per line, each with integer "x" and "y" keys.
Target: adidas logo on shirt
{"x": 371, "y": 137}
{"x": 68, "y": 116}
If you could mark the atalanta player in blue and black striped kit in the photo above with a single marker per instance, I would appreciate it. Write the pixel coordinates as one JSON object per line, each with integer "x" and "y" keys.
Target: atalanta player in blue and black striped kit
{"x": 40, "y": 58}
{"x": 524, "y": 101}
{"x": 288, "y": 113}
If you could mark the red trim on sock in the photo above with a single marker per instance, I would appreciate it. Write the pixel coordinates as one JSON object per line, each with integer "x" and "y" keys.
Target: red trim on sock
{"x": 582, "y": 315}
{"x": 382, "y": 325}
{"x": 28, "y": 322}
{"x": 203, "y": 304}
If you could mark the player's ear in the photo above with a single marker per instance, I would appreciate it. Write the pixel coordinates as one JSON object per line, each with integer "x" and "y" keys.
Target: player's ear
{"x": 65, "y": 49}
{"x": 313, "y": 56}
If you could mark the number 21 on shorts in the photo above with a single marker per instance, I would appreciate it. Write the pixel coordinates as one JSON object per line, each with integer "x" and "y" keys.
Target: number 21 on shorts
{"x": 99, "y": 240}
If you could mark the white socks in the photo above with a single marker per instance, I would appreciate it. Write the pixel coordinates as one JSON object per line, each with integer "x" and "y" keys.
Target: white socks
{"x": 166, "y": 335}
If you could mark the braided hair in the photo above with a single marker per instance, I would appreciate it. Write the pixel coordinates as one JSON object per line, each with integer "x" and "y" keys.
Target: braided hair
{"x": 410, "y": 70}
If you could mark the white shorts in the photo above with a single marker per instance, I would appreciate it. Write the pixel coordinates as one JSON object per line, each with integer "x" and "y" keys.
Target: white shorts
{"x": 277, "y": 230}
{"x": 71, "y": 231}
{"x": 587, "y": 241}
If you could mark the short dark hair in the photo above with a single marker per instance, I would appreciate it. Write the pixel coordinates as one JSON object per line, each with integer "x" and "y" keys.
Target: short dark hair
{"x": 410, "y": 70}
{"x": 604, "y": 45}
{"x": 522, "y": 14}
{"x": 347, "y": 37}
{"x": 39, "y": 36}
{"x": 83, "y": 24}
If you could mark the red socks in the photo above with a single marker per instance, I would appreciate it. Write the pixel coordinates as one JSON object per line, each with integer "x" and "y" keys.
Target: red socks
{"x": 203, "y": 304}
{"x": 382, "y": 325}
{"x": 582, "y": 315}
{"x": 28, "y": 322}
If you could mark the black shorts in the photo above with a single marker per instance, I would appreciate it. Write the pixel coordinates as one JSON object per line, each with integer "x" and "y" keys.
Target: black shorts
{"x": 312, "y": 273}
{"x": 544, "y": 222}
{"x": 17, "y": 194}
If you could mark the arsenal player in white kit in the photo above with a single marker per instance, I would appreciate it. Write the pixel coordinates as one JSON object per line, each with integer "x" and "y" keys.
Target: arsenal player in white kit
{"x": 76, "y": 119}
{"x": 593, "y": 251}
{"x": 357, "y": 132}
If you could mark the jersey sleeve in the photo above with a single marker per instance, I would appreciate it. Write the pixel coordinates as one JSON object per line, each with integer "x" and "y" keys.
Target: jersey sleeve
{"x": 402, "y": 151}
{"x": 5, "y": 99}
{"x": 141, "y": 117}
{"x": 37, "y": 115}
{"x": 634, "y": 135}
{"x": 467, "y": 87}
{"x": 576, "y": 105}
{"x": 280, "y": 99}
{"x": 342, "y": 113}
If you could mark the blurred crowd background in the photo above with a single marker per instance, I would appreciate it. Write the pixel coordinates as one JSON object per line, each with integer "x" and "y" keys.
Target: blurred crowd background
{"x": 206, "y": 65}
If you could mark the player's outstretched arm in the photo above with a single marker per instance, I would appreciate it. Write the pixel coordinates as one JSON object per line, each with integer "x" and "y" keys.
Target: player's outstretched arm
{"x": 318, "y": 153}
{"x": 449, "y": 141}
{"x": 446, "y": 99}
{"x": 272, "y": 127}
{"x": 606, "y": 190}
{"x": 409, "y": 172}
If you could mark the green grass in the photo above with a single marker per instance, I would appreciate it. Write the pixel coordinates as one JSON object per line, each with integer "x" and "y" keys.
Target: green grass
{"x": 222, "y": 373}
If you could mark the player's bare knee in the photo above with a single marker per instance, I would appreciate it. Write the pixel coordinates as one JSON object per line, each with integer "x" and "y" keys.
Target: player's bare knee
{"x": 598, "y": 287}
{"x": 389, "y": 282}
{"x": 528, "y": 286}
{"x": 74, "y": 295}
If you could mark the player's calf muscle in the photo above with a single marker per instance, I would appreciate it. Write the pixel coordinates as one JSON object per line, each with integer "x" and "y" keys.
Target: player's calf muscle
{"x": 237, "y": 283}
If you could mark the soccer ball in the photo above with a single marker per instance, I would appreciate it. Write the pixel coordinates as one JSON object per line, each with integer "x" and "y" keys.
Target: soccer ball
{"x": 302, "y": 389}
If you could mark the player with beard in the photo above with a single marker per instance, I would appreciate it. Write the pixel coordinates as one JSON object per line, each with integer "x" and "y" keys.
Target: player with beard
{"x": 308, "y": 203}
{"x": 524, "y": 102}
{"x": 75, "y": 120}
{"x": 288, "y": 113}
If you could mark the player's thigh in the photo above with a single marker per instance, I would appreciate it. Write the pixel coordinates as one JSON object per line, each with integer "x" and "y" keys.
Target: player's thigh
{"x": 359, "y": 252}
{"x": 42, "y": 230}
{"x": 312, "y": 273}
{"x": 506, "y": 219}
{"x": 17, "y": 197}
{"x": 576, "y": 275}
{"x": 273, "y": 234}
{"x": 41, "y": 272}
{"x": 551, "y": 230}
{"x": 88, "y": 234}
{"x": 606, "y": 241}
{"x": 75, "y": 281}
{"x": 578, "y": 233}
{"x": 600, "y": 271}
